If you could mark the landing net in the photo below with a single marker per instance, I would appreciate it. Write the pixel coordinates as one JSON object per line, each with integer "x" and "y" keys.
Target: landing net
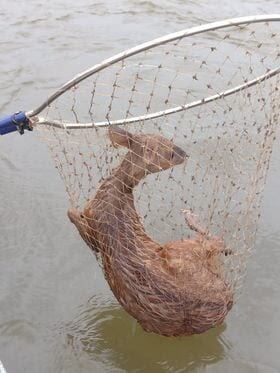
{"x": 228, "y": 135}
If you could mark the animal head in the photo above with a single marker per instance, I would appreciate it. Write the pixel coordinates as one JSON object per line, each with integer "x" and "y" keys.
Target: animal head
{"x": 153, "y": 153}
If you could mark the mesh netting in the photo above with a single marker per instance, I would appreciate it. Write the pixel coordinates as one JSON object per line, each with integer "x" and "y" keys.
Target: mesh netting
{"x": 170, "y": 205}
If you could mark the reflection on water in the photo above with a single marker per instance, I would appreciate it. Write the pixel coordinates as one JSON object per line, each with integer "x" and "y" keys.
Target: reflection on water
{"x": 107, "y": 334}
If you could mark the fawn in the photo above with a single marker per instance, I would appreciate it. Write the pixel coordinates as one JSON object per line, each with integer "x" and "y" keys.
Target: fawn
{"x": 175, "y": 289}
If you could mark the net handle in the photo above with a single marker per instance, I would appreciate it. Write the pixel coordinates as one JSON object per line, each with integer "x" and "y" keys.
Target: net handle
{"x": 148, "y": 45}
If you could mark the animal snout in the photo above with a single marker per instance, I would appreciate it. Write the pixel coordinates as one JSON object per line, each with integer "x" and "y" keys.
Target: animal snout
{"x": 181, "y": 155}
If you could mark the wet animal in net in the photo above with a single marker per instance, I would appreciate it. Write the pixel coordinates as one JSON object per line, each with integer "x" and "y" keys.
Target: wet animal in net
{"x": 174, "y": 289}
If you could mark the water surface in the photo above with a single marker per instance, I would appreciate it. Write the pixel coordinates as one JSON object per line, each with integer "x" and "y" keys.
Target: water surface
{"x": 56, "y": 311}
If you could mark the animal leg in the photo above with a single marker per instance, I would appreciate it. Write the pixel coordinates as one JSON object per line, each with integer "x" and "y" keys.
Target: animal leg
{"x": 191, "y": 220}
{"x": 217, "y": 243}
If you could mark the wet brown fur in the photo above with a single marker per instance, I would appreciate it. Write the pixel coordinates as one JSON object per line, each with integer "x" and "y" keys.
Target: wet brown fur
{"x": 173, "y": 290}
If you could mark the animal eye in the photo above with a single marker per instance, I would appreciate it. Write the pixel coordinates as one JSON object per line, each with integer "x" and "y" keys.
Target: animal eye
{"x": 173, "y": 155}
{"x": 82, "y": 216}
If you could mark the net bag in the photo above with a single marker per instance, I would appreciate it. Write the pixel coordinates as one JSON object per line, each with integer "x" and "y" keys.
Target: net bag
{"x": 164, "y": 151}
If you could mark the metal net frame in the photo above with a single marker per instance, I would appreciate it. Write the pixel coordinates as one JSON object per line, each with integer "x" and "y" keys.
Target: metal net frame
{"x": 212, "y": 91}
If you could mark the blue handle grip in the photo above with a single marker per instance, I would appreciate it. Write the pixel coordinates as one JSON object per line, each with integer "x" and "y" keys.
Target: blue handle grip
{"x": 16, "y": 122}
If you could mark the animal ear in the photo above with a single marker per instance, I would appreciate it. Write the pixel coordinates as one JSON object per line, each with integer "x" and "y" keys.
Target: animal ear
{"x": 120, "y": 137}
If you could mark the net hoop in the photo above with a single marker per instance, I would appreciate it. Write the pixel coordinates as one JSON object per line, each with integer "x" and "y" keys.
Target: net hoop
{"x": 144, "y": 47}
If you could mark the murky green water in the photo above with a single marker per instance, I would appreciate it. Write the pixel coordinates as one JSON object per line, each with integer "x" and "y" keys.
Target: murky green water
{"x": 56, "y": 311}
